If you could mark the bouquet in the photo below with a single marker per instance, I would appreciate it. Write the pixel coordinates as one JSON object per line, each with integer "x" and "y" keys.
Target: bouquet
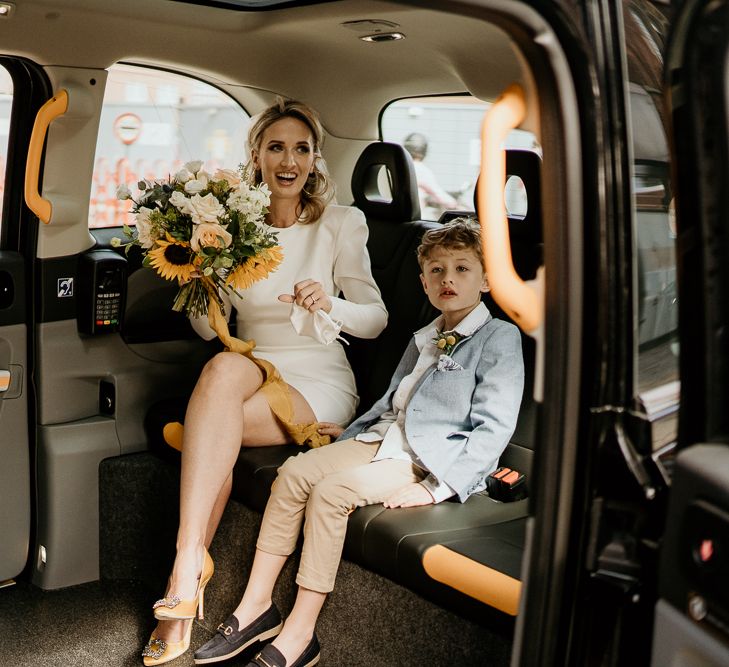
{"x": 206, "y": 232}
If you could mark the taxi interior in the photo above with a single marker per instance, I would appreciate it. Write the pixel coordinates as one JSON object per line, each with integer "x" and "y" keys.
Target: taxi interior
{"x": 90, "y": 489}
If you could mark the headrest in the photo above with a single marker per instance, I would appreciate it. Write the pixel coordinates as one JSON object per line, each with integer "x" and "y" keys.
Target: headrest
{"x": 525, "y": 233}
{"x": 526, "y": 165}
{"x": 403, "y": 204}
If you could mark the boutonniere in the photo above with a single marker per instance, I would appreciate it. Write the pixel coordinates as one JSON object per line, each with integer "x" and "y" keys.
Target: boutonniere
{"x": 445, "y": 341}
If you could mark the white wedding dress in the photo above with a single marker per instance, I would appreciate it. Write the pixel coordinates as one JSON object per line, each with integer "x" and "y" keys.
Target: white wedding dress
{"x": 333, "y": 252}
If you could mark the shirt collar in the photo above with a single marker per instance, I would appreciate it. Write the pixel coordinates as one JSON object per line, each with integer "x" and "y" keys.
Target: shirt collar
{"x": 466, "y": 327}
{"x": 473, "y": 321}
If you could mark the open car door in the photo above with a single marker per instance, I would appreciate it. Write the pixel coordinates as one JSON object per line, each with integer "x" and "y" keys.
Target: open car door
{"x": 692, "y": 612}
{"x": 22, "y": 90}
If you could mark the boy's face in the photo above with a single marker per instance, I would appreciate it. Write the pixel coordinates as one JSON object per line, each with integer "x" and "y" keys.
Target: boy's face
{"x": 454, "y": 281}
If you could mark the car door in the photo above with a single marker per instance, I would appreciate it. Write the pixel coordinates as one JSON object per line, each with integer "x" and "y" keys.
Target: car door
{"x": 601, "y": 611}
{"x": 692, "y": 612}
{"x": 22, "y": 89}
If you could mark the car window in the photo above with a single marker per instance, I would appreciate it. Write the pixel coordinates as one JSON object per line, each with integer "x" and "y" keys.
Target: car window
{"x": 656, "y": 346}
{"x": 442, "y": 134}
{"x": 152, "y": 122}
{"x": 6, "y": 103}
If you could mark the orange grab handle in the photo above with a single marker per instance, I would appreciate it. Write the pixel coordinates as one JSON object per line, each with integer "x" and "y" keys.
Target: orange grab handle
{"x": 52, "y": 109}
{"x": 518, "y": 299}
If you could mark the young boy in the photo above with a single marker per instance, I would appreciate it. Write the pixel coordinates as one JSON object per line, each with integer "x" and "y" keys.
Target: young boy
{"x": 438, "y": 431}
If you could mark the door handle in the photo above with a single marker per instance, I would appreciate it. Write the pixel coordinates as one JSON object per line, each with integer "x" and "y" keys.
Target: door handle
{"x": 522, "y": 301}
{"x": 52, "y": 109}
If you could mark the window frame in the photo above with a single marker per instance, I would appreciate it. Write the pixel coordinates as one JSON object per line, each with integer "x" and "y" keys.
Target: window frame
{"x": 171, "y": 71}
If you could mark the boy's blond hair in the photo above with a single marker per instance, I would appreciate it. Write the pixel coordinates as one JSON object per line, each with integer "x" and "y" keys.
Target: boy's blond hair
{"x": 457, "y": 234}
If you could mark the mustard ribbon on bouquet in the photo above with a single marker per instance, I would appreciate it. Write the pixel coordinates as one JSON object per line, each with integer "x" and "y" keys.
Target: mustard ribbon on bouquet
{"x": 274, "y": 387}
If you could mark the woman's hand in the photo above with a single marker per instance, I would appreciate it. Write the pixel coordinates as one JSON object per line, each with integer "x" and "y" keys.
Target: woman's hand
{"x": 412, "y": 495}
{"x": 328, "y": 428}
{"x": 308, "y": 294}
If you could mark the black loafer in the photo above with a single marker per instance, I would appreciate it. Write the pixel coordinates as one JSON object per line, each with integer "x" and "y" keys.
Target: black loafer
{"x": 270, "y": 656}
{"x": 229, "y": 641}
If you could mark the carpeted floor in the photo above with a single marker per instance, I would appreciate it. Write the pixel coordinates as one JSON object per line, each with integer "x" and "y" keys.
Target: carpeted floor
{"x": 93, "y": 624}
{"x": 367, "y": 620}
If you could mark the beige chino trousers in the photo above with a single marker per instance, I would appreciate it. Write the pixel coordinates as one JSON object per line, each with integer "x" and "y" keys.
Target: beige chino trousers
{"x": 321, "y": 488}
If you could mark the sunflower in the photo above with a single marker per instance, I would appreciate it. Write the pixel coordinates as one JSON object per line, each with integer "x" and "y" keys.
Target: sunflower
{"x": 172, "y": 260}
{"x": 255, "y": 268}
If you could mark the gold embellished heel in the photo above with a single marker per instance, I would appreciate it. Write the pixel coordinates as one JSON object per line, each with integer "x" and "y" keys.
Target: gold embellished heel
{"x": 173, "y": 608}
{"x": 158, "y": 651}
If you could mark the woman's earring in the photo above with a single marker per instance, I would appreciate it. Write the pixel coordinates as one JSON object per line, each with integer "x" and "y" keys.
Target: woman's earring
{"x": 310, "y": 178}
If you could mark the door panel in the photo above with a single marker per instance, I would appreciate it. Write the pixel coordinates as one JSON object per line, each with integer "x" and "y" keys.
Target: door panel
{"x": 23, "y": 89}
{"x": 691, "y": 618}
{"x": 95, "y": 384}
{"x": 692, "y": 614}
{"x": 14, "y": 451}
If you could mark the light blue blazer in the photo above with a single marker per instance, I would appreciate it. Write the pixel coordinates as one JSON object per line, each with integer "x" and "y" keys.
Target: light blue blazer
{"x": 458, "y": 422}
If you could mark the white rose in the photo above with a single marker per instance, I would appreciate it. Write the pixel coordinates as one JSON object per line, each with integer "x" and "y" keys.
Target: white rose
{"x": 123, "y": 192}
{"x": 205, "y": 209}
{"x": 144, "y": 228}
{"x": 193, "y": 166}
{"x": 209, "y": 234}
{"x": 227, "y": 175}
{"x": 183, "y": 176}
{"x": 180, "y": 202}
{"x": 194, "y": 186}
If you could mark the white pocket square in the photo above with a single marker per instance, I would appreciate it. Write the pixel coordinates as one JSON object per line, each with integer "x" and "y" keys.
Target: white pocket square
{"x": 445, "y": 363}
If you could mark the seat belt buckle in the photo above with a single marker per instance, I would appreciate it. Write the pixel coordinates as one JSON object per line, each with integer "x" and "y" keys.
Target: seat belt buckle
{"x": 506, "y": 485}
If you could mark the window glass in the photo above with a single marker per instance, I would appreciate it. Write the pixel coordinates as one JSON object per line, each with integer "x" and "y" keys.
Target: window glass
{"x": 152, "y": 123}
{"x": 6, "y": 103}
{"x": 443, "y": 135}
{"x": 656, "y": 344}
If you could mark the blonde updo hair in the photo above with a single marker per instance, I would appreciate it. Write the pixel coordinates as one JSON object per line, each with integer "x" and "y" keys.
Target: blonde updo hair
{"x": 318, "y": 190}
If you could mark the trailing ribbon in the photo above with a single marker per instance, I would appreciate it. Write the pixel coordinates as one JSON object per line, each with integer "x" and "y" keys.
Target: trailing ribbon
{"x": 274, "y": 387}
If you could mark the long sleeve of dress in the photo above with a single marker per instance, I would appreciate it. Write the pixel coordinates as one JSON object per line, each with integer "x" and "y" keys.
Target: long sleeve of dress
{"x": 362, "y": 311}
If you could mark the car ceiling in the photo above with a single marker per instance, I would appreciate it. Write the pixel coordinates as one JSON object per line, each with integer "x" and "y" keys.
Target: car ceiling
{"x": 301, "y": 52}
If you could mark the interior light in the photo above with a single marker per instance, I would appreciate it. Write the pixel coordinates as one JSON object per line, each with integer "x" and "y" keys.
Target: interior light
{"x": 6, "y": 8}
{"x": 383, "y": 37}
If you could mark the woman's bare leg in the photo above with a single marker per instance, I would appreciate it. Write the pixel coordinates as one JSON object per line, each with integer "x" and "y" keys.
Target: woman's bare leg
{"x": 211, "y": 441}
{"x": 225, "y": 411}
{"x": 174, "y": 631}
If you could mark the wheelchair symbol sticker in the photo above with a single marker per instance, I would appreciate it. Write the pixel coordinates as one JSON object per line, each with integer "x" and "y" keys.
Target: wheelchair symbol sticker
{"x": 65, "y": 287}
